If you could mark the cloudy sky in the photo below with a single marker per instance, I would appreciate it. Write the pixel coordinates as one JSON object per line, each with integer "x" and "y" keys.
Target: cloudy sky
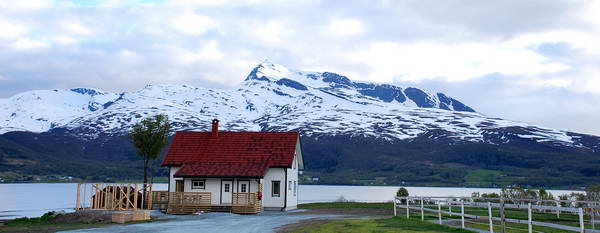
{"x": 536, "y": 61}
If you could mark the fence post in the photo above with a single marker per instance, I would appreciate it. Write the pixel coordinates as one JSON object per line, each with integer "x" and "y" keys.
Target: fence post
{"x": 557, "y": 210}
{"x": 440, "y": 212}
{"x": 462, "y": 212}
{"x": 592, "y": 220}
{"x": 502, "y": 215}
{"x": 78, "y": 194}
{"x": 395, "y": 200}
{"x": 529, "y": 220}
{"x": 490, "y": 217}
{"x": 407, "y": 209}
{"x": 422, "y": 211}
{"x": 581, "y": 224}
{"x": 450, "y": 208}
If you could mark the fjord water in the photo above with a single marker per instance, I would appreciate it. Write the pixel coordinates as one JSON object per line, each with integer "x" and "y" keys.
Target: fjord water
{"x": 35, "y": 199}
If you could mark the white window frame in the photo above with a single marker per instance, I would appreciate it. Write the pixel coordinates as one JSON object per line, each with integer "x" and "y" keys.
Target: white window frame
{"x": 273, "y": 194}
{"x": 203, "y": 186}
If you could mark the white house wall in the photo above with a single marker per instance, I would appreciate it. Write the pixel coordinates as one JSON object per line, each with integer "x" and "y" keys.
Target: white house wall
{"x": 274, "y": 174}
{"x": 212, "y": 185}
{"x": 292, "y": 176}
{"x": 172, "y": 179}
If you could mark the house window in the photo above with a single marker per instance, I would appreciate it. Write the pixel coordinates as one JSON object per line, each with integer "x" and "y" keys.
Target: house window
{"x": 290, "y": 186}
{"x": 243, "y": 188}
{"x": 275, "y": 191}
{"x": 198, "y": 184}
{"x": 295, "y": 186}
{"x": 226, "y": 188}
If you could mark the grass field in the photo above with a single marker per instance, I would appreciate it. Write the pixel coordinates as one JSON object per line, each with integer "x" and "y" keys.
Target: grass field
{"x": 394, "y": 224}
{"x": 402, "y": 224}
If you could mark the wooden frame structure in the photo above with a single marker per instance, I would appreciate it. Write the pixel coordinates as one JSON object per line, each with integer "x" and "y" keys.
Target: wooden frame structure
{"x": 113, "y": 196}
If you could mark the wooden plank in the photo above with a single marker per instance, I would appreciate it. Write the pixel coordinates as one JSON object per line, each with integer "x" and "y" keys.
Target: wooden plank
{"x": 77, "y": 203}
{"x": 135, "y": 197}
{"x": 84, "y": 195}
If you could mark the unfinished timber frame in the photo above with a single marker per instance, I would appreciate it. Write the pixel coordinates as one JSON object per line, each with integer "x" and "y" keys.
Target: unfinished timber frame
{"x": 113, "y": 196}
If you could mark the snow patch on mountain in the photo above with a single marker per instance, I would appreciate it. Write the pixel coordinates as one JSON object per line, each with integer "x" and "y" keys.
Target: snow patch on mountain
{"x": 272, "y": 98}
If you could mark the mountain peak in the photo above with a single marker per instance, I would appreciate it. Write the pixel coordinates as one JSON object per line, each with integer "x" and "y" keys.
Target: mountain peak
{"x": 266, "y": 70}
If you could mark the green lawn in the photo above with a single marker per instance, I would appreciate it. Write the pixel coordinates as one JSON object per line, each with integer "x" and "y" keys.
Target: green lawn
{"x": 400, "y": 223}
{"x": 565, "y": 218}
{"x": 47, "y": 227}
{"x": 394, "y": 224}
{"x": 43, "y": 224}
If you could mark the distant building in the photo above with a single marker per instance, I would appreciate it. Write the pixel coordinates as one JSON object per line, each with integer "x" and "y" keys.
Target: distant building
{"x": 225, "y": 163}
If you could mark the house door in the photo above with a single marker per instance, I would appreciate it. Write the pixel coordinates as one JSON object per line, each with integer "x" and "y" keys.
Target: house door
{"x": 243, "y": 186}
{"x": 226, "y": 191}
{"x": 179, "y": 186}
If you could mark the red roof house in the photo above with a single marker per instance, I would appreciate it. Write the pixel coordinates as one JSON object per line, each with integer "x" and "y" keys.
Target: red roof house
{"x": 224, "y": 163}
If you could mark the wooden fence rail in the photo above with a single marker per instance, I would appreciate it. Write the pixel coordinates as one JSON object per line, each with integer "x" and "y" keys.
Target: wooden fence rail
{"x": 187, "y": 202}
{"x": 435, "y": 205}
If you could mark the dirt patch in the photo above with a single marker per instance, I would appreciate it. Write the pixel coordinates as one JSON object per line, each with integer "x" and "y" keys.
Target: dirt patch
{"x": 87, "y": 217}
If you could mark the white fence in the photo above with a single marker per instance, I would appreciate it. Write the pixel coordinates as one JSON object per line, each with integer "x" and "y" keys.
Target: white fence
{"x": 434, "y": 205}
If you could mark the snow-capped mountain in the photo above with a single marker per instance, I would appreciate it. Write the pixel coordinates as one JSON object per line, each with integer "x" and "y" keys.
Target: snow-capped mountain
{"x": 273, "y": 97}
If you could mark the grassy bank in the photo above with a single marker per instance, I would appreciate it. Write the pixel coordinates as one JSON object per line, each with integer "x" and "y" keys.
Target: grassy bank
{"x": 53, "y": 222}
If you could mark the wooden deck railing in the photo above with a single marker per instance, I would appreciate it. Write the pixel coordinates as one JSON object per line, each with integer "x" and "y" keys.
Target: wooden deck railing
{"x": 188, "y": 202}
{"x": 246, "y": 203}
{"x": 160, "y": 200}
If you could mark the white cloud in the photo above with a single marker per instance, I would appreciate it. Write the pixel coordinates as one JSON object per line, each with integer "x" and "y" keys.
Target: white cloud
{"x": 454, "y": 62}
{"x": 24, "y": 5}
{"x": 208, "y": 52}
{"x": 193, "y": 24}
{"x": 28, "y": 44}
{"x": 65, "y": 40}
{"x": 345, "y": 27}
{"x": 9, "y": 30}
{"x": 76, "y": 28}
{"x": 273, "y": 32}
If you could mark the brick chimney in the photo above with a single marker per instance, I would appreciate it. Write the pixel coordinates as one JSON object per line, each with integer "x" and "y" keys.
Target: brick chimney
{"x": 215, "y": 128}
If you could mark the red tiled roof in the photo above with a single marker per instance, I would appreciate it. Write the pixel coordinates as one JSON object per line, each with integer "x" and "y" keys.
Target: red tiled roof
{"x": 210, "y": 169}
{"x": 230, "y": 154}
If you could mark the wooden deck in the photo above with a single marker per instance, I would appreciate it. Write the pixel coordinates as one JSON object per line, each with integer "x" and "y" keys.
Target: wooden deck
{"x": 188, "y": 203}
{"x": 246, "y": 203}
{"x": 194, "y": 202}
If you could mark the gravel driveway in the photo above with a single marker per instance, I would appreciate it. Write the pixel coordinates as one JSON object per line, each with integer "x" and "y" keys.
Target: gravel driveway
{"x": 216, "y": 222}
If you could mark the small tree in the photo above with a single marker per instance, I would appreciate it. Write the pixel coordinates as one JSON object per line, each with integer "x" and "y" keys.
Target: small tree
{"x": 402, "y": 192}
{"x": 150, "y": 136}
